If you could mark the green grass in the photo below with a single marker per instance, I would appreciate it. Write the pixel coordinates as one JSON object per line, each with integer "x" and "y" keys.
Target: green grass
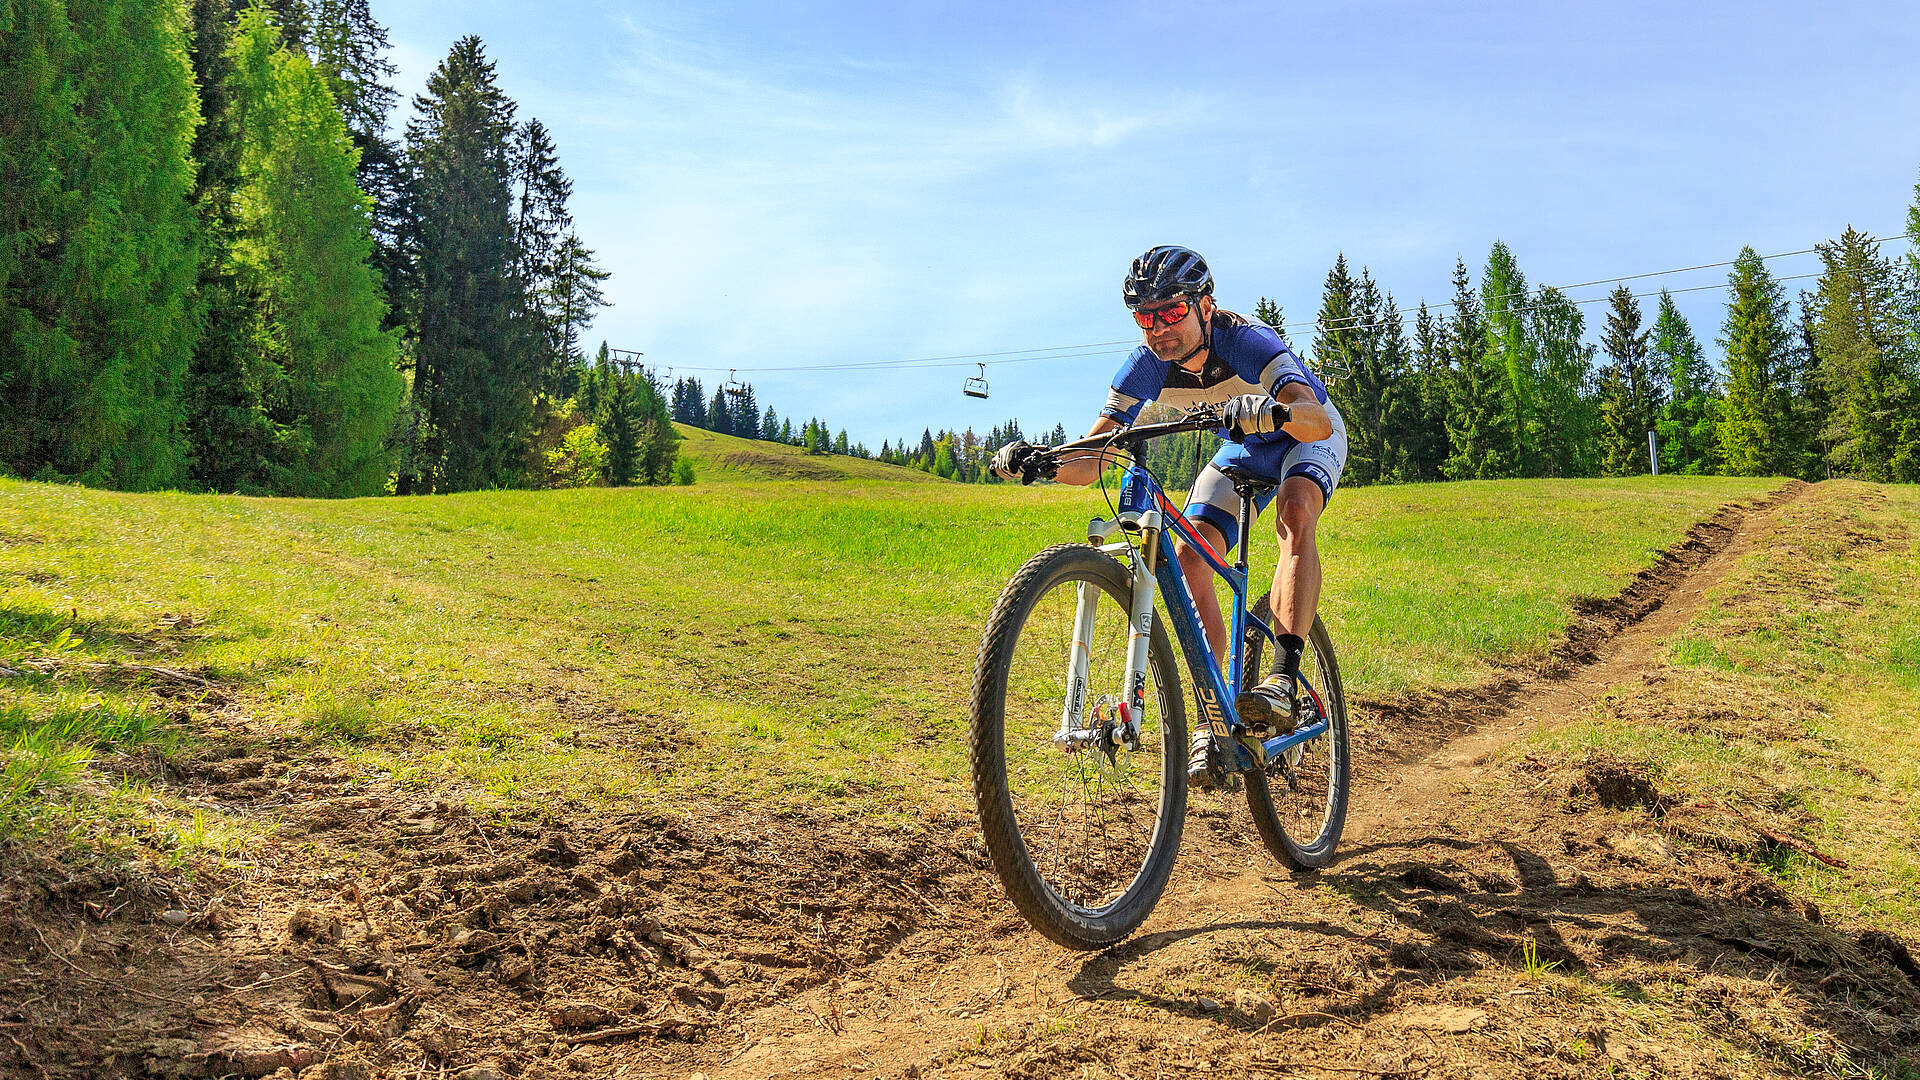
{"x": 777, "y": 640}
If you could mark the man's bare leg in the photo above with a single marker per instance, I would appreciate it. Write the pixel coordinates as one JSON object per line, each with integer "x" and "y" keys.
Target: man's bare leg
{"x": 1296, "y": 578}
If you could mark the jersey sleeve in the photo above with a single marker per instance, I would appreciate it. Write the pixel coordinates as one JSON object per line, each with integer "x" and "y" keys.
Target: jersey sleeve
{"x": 1262, "y": 357}
{"x": 1138, "y": 382}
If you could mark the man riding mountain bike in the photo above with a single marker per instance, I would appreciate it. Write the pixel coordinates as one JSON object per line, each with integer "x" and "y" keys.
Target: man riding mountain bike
{"x": 1281, "y": 427}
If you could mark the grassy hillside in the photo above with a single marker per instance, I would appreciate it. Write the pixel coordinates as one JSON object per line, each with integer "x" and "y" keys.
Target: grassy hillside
{"x": 769, "y": 639}
{"x": 725, "y": 459}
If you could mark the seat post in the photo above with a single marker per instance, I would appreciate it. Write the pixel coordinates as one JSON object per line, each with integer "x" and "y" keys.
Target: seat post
{"x": 1246, "y": 524}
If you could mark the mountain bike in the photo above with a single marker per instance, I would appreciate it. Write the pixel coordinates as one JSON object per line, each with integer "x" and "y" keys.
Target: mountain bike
{"x": 1079, "y": 726}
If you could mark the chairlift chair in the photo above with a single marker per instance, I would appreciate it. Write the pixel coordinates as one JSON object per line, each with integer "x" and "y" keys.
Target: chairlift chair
{"x": 1331, "y": 370}
{"x": 734, "y": 387}
{"x": 976, "y": 385}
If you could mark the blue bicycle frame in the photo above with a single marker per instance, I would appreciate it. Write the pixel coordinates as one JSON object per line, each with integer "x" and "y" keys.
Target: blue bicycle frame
{"x": 1144, "y": 510}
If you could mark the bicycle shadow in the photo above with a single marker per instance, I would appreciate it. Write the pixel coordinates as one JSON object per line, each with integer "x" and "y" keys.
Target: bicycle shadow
{"x": 1504, "y": 910}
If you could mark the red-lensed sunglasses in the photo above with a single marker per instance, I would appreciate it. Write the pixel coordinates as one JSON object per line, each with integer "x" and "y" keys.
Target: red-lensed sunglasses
{"x": 1168, "y": 315}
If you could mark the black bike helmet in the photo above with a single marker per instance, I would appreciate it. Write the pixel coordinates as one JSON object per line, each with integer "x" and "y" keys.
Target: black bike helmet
{"x": 1166, "y": 272}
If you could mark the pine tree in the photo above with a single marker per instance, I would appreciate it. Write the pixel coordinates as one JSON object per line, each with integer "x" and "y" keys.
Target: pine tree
{"x": 659, "y": 443}
{"x": 1755, "y": 336}
{"x": 1563, "y": 365}
{"x": 621, "y": 429}
{"x": 1630, "y": 400}
{"x": 230, "y": 435}
{"x": 745, "y": 420}
{"x": 689, "y": 404}
{"x": 349, "y": 50}
{"x": 1424, "y": 429}
{"x": 1688, "y": 443}
{"x": 1503, "y": 291}
{"x": 98, "y": 313}
{"x": 720, "y": 413}
{"x": 475, "y": 362}
{"x": 1862, "y": 335}
{"x": 1477, "y": 410}
{"x": 568, "y": 299}
{"x": 1269, "y": 312}
{"x": 302, "y": 246}
{"x": 770, "y": 426}
{"x": 542, "y": 225}
{"x": 1362, "y": 334}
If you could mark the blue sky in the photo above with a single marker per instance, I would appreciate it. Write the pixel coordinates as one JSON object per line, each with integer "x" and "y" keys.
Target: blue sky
{"x": 815, "y": 183}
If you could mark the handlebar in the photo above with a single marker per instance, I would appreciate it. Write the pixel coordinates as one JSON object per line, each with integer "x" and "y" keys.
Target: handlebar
{"x": 1203, "y": 418}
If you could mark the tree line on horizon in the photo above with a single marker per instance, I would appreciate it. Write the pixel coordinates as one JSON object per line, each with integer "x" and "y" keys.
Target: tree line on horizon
{"x": 219, "y": 271}
{"x": 1506, "y": 385}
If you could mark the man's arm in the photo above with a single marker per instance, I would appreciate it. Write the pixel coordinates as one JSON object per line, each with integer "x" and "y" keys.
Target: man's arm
{"x": 1310, "y": 421}
{"x": 1085, "y": 468}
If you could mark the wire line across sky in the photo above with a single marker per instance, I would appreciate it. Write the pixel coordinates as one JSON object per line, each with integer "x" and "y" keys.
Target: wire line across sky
{"x": 1106, "y": 348}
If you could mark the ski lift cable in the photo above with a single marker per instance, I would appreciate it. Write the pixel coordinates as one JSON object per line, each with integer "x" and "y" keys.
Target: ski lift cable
{"x": 1104, "y": 348}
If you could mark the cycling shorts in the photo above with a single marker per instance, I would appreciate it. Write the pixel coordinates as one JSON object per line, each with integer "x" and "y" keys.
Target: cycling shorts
{"x": 1214, "y": 501}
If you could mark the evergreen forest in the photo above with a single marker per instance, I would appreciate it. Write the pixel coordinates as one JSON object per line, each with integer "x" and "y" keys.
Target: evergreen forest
{"x": 221, "y": 271}
{"x": 226, "y": 265}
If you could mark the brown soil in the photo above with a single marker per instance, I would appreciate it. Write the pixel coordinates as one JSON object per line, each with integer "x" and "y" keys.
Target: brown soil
{"x": 388, "y": 932}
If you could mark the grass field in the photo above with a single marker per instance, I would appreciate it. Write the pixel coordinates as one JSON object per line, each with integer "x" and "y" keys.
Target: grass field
{"x": 764, "y": 639}
{"x": 1791, "y": 702}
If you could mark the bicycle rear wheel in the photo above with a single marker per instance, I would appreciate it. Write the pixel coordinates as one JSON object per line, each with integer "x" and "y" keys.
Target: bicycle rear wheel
{"x": 1084, "y": 837}
{"x": 1299, "y": 801}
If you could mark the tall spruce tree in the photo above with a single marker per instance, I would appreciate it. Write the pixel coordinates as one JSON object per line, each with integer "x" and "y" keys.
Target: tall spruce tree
{"x": 1809, "y": 403}
{"x": 689, "y": 406}
{"x": 1480, "y": 443}
{"x": 1630, "y": 399}
{"x": 746, "y": 413}
{"x": 1425, "y": 428}
{"x": 1756, "y": 336}
{"x": 1688, "y": 442}
{"x": 474, "y": 363}
{"x": 1503, "y": 293}
{"x": 570, "y": 298}
{"x": 349, "y": 48}
{"x": 1563, "y": 365}
{"x": 1269, "y": 312}
{"x": 621, "y": 426}
{"x": 302, "y": 246}
{"x": 230, "y": 437}
{"x": 1863, "y": 337}
{"x": 720, "y": 412}
{"x": 541, "y": 225}
{"x": 1361, "y": 331}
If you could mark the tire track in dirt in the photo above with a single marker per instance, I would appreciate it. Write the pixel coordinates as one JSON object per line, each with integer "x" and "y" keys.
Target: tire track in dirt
{"x": 939, "y": 1002}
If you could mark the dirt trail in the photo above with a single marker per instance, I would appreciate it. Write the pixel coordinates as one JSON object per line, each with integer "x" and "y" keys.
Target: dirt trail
{"x": 386, "y": 932}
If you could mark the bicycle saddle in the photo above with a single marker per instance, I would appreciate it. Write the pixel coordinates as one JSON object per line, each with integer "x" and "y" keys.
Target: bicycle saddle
{"x": 1247, "y": 484}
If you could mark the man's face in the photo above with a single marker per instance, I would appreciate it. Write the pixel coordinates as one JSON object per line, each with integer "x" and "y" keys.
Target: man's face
{"x": 1184, "y": 335}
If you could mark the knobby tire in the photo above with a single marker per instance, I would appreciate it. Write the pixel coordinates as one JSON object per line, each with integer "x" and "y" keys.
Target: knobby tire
{"x": 1054, "y": 916}
{"x": 1303, "y": 852}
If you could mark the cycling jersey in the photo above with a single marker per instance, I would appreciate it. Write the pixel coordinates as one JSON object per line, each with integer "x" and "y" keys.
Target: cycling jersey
{"x": 1247, "y": 357}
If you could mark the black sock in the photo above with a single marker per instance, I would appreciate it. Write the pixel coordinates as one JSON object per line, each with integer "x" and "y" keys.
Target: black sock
{"x": 1287, "y": 656}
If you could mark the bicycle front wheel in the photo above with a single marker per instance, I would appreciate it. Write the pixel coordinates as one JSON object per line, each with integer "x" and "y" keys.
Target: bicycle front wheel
{"x": 1299, "y": 801}
{"x": 1083, "y": 830}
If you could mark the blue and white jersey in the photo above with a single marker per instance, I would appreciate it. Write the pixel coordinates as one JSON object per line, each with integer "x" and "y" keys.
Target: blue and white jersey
{"x": 1248, "y": 357}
